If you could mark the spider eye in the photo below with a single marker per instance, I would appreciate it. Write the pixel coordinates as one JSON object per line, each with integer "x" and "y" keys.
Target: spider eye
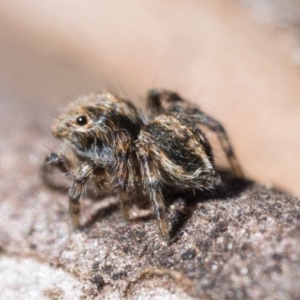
{"x": 81, "y": 120}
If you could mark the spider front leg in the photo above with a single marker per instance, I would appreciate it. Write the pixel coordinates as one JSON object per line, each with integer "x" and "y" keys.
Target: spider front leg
{"x": 123, "y": 172}
{"x": 150, "y": 178}
{"x": 81, "y": 175}
{"x": 54, "y": 160}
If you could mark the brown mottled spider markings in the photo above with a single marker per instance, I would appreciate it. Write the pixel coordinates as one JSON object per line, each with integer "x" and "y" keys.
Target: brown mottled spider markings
{"x": 120, "y": 151}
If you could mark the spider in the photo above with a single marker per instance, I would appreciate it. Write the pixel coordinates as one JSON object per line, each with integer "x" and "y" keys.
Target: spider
{"x": 112, "y": 144}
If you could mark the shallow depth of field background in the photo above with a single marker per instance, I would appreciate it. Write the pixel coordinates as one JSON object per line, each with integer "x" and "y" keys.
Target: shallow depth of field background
{"x": 239, "y": 60}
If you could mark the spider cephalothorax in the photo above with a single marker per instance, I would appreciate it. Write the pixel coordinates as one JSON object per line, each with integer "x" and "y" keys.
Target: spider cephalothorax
{"x": 116, "y": 147}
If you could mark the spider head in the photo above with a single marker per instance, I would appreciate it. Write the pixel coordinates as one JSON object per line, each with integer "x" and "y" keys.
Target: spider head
{"x": 90, "y": 120}
{"x": 75, "y": 118}
{"x": 78, "y": 122}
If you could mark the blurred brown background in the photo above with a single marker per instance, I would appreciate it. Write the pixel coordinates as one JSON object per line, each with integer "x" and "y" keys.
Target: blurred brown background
{"x": 239, "y": 60}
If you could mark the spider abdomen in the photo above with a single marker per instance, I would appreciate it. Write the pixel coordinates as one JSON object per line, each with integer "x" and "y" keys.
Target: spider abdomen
{"x": 180, "y": 152}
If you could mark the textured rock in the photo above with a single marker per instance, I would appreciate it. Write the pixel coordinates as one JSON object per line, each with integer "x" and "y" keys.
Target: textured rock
{"x": 242, "y": 242}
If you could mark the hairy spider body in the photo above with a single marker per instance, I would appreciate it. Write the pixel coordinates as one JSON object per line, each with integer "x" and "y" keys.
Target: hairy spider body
{"x": 112, "y": 144}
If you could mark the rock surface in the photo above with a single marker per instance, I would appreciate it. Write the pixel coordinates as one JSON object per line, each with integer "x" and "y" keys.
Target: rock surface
{"x": 242, "y": 242}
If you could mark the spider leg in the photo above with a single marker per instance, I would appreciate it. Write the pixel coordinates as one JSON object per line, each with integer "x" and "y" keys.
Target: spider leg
{"x": 123, "y": 173}
{"x": 177, "y": 105}
{"x": 156, "y": 98}
{"x": 56, "y": 160}
{"x": 216, "y": 126}
{"x": 150, "y": 178}
{"x": 81, "y": 175}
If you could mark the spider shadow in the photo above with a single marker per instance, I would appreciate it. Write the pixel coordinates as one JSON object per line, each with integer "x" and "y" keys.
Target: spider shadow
{"x": 113, "y": 207}
{"x": 186, "y": 203}
{"x": 100, "y": 213}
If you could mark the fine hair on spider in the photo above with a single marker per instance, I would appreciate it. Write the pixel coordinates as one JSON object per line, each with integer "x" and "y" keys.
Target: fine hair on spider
{"x": 111, "y": 144}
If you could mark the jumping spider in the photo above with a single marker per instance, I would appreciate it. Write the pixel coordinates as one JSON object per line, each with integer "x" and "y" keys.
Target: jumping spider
{"x": 113, "y": 145}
